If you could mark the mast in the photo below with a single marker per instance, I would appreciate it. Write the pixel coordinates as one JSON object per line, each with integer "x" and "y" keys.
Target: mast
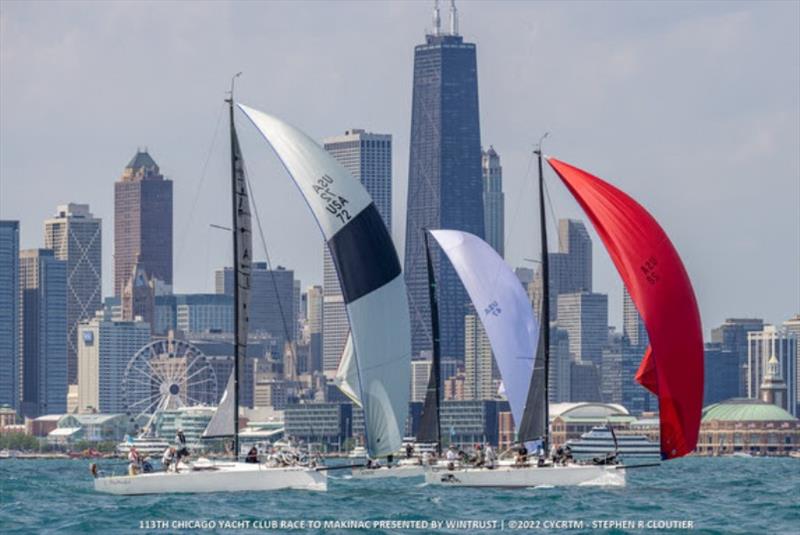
{"x": 236, "y": 172}
{"x": 545, "y": 324}
{"x": 430, "y": 423}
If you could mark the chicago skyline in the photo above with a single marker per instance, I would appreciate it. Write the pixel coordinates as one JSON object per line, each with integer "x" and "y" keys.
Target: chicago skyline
{"x": 546, "y": 50}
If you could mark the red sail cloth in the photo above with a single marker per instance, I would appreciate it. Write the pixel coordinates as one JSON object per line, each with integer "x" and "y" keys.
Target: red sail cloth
{"x": 654, "y": 275}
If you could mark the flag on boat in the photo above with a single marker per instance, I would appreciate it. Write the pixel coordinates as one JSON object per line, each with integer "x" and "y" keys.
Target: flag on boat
{"x": 369, "y": 274}
{"x": 659, "y": 286}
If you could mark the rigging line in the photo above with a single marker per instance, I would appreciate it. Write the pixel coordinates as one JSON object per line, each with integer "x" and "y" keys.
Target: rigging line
{"x": 520, "y": 197}
{"x": 188, "y": 225}
{"x": 269, "y": 262}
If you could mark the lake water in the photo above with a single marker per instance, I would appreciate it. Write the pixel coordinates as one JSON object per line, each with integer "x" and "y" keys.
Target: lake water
{"x": 690, "y": 495}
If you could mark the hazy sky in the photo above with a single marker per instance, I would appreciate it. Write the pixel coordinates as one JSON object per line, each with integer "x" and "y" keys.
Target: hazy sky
{"x": 692, "y": 108}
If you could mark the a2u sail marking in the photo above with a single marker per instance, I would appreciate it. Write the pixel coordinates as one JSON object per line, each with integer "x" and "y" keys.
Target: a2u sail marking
{"x": 335, "y": 202}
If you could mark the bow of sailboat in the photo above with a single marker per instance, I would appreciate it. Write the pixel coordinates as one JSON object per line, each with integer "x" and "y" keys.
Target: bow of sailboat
{"x": 659, "y": 285}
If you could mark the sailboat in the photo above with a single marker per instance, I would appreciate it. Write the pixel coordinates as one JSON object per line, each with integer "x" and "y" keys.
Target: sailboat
{"x": 372, "y": 284}
{"x": 203, "y": 475}
{"x": 656, "y": 279}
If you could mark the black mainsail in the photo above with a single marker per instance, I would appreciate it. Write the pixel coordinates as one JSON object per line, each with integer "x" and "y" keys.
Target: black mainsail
{"x": 430, "y": 426}
{"x": 535, "y": 424}
{"x": 225, "y": 422}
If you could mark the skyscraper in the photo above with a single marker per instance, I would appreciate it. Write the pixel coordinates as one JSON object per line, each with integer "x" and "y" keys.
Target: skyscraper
{"x": 368, "y": 157}
{"x": 104, "y": 349}
{"x": 493, "y": 200}
{"x": 272, "y": 300}
{"x": 9, "y": 314}
{"x": 75, "y": 236}
{"x": 444, "y": 178}
{"x": 142, "y": 222}
{"x": 584, "y": 316}
{"x": 570, "y": 267}
{"x": 479, "y": 363}
{"x": 732, "y": 335}
{"x": 633, "y": 328}
{"x": 762, "y": 345}
{"x": 314, "y": 314}
{"x": 43, "y": 299}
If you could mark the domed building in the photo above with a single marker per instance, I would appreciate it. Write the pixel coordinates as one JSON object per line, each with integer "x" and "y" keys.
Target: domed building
{"x": 751, "y": 426}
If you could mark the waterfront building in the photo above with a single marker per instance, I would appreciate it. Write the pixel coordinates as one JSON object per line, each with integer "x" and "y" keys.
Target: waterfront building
{"x": 368, "y": 158}
{"x": 204, "y": 313}
{"x": 493, "y": 200}
{"x": 325, "y": 424}
{"x": 43, "y": 311}
{"x": 8, "y": 417}
{"x": 721, "y": 374}
{"x": 105, "y": 347}
{"x": 272, "y": 300}
{"x": 481, "y": 374}
{"x": 75, "y": 236}
{"x": 193, "y": 420}
{"x": 584, "y": 316}
{"x": 732, "y": 335}
{"x": 773, "y": 387}
{"x": 9, "y": 315}
{"x": 762, "y": 346}
{"x": 570, "y": 267}
{"x": 445, "y": 187}
{"x": 747, "y": 426}
{"x": 142, "y": 222}
{"x": 71, "y": 428}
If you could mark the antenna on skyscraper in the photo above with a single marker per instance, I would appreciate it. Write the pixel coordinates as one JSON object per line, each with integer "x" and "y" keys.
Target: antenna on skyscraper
{"x": 453, "y": 18}
{"x": 437, "y": 21}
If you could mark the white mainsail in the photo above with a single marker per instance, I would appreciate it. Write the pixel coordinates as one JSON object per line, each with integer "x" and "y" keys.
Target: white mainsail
{"x": 503, "y": 307}
{"x": 347, "y": 374}
{"x": 221, "y": 424}
{"x": 369, "y": 273}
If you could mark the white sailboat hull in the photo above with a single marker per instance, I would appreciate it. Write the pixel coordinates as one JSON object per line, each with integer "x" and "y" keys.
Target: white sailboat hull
{"x": 530, "y": 476}
{"x": 228, "y": 477}
{"x": 398, "y": 471}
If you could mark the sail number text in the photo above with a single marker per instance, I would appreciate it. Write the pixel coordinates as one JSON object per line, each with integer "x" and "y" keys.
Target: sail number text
{"x": 334, "y": 203}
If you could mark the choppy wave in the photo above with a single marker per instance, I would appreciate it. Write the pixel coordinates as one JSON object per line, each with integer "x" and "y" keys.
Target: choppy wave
{"x": 716, "y": 495}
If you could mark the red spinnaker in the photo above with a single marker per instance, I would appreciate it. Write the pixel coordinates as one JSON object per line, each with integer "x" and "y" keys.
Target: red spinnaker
{"x": 654, "y": 275}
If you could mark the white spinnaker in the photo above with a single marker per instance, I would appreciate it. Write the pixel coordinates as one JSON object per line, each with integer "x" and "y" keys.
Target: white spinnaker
{"x": 377, "y": 304}
{"x": 503, "y": 307}
{"x": 347, "y": 374}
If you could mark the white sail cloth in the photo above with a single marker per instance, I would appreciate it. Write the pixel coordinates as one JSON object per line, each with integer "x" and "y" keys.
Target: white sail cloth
{"x": 347, "y": 374}
{"x": 369, "y": 275}
{"x": 221, "y": 424}
{"x": 503, "y": 308}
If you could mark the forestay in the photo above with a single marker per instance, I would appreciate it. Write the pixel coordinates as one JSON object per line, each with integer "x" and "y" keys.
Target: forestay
{"x": 369, "y": 273}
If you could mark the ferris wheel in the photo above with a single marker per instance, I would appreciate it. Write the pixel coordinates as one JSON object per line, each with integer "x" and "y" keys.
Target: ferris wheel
{"x": 167, "y": 374}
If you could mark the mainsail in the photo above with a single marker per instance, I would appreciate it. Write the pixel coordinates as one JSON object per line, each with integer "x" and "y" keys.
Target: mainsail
{"x": 221, "y": 424}
{"x": 369, "y": 273}
{"x": 503, "y": 308}
{"x": 657, "y": 281}
{"x": 430, "y": 429}
{"x": 346, "y": 378}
